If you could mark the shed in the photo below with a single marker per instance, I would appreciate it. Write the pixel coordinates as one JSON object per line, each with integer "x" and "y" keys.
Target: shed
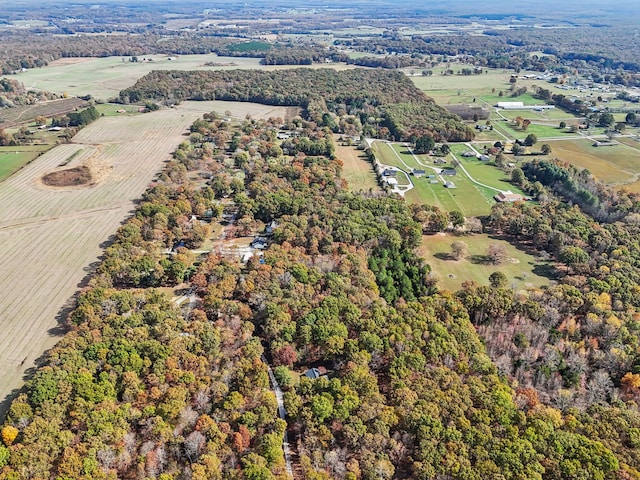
{"x": 312, "y": 373}
{"x": 508, "y": 197}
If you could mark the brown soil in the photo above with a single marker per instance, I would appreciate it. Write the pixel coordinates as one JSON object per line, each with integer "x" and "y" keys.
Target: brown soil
{"x": 71, "y": 177}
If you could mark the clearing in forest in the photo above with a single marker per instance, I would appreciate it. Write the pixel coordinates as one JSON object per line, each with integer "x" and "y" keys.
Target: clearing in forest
{"x": 357, "y": 170}
{"x": 522, "y": 270}
{"x": 51, "y": 237}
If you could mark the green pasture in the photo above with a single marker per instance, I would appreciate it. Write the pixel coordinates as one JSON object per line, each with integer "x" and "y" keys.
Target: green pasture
{"x": 522, "y": 270}
{"x": 540, "y": 131}
{"x": 14, "y": 158}
{"x": 497, "y": 79}
{"x": 111, "y": 109}
{"x": 490, "y": 136}
{"x": 555, "y": 115}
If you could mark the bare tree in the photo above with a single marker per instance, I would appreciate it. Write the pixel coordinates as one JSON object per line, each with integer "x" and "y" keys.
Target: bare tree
{"x": 106, "y": 458}
{"x": 598, "y": 387}
{"x": 201, "y": 400}
{"x": 496, "y": 253}
{"x": 193, "y": 444}
{"x": 473, "y": 224}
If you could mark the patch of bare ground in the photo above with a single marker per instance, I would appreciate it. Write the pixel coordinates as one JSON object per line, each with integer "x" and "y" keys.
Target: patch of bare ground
{"x": 69, "y": 177}
{"x": 69, "y": 61}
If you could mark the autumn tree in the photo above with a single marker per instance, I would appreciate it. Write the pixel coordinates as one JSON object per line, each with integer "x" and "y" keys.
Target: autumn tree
{"x": 459, "y": 249}
{"x": 9, "y": 434}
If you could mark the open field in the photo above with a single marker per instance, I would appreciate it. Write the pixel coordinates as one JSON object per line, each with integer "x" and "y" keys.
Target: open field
{"x": 240, "y": 110}
{"x": 522, "y": 269}
{"x": 616, "y": 165}
{"x": 52, "y": 238}
{"x": 357, "y": 170}
{"x": 111, "y": 109}
{"x": 105, "y": 77}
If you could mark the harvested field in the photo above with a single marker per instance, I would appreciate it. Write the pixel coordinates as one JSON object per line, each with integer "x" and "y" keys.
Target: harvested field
{"x": 11, "y": 117}
{"x": 615, "y": 165}
{"x": 52, "y": 237}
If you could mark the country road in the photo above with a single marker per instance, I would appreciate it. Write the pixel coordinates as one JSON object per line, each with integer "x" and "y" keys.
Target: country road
{"x": 282, "y": 413}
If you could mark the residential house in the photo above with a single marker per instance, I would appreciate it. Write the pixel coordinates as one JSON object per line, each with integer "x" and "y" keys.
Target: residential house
{"x": 259, "y": 243}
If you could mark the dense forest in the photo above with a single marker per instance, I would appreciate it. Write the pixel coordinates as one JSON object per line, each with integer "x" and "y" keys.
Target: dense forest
{"x": 140, "y": 388}
{"x": 384, "y": 104}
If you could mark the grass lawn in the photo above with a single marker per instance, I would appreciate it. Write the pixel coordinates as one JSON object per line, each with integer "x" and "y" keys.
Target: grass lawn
{"x": 522, "y": 269}
{"x": 13, "y": 158}
{"x": 483, "y": 172}
{"x": 469, "y": 198}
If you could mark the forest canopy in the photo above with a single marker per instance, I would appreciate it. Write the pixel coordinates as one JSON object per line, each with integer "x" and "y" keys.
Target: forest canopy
{"x": 381, "y": 99}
